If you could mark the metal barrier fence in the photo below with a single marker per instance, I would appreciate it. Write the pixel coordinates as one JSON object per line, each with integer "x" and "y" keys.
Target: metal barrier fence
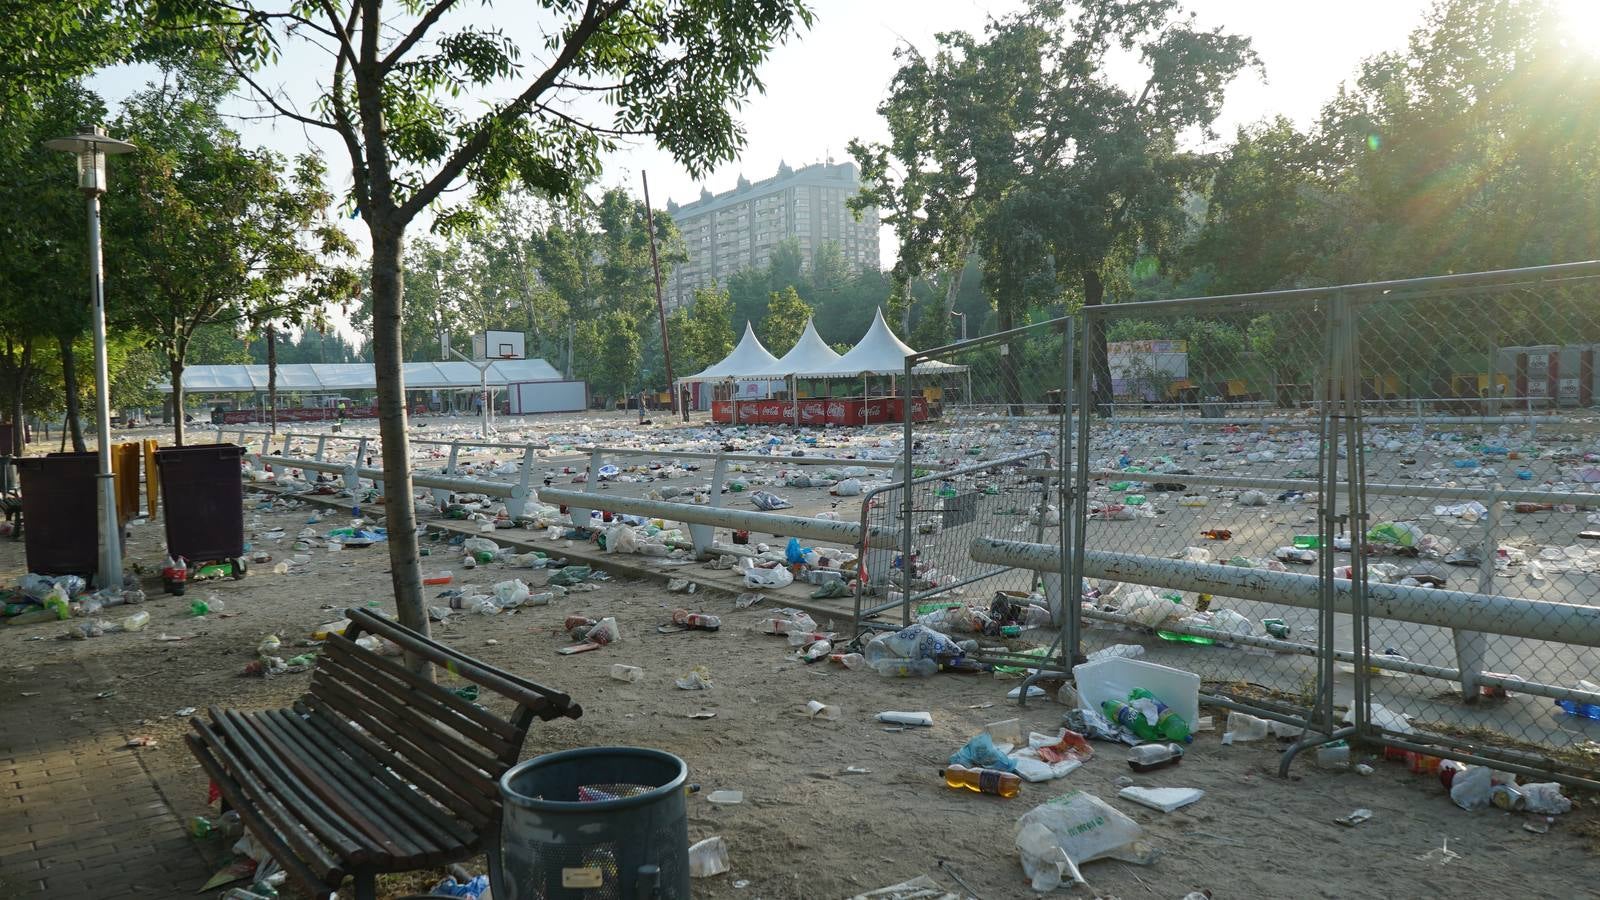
{"x": 1384, "y": 547}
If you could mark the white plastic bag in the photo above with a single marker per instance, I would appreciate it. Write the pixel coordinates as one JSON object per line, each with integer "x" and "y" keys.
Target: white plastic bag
{"x": 622, "y": 539}
{"x": 511, "y": 594}
{"x": 473, "y": 545}
{"x": 1546, "y": 799}
{"x": 768, "y": 578}
{"x": 850, "y": 487}
{"x": 1043, "y": 860}
{"x": 1470, "y": 788}
{"x": 1146, "y": 607}
{"x": 1088, "y": 828}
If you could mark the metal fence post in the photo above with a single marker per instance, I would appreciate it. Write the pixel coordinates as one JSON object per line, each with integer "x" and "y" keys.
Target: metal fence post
{"x": 583, "y": 518}
{"x": 1069, "y": 585}
{"x": 322, "y": 447}
{"x": 907, "y": 568}
{"x": 1472, "y": 646}
{"x": 704, "y": 536}
{"x": 525, "y": 481}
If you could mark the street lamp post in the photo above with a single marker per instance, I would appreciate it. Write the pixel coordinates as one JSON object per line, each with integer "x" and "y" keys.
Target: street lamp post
{"x": 963, "y": 317}
{"x": 91, "y": 150}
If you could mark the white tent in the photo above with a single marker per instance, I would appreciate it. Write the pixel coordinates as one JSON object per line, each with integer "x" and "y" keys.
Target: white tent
{"x": 809, "y": 353}
{"x": 878, "y": 353}
{"x": 748, "y": 359}
{"x": 338, "y": 377}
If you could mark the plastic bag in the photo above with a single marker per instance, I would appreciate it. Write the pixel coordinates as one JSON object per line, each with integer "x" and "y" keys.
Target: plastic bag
{"x": 912, "y": 642}
{"x": 622, "y": 539}
{"x": 473, "y": 545}
{"x": 1546, "y": 799}
{"x": 980, "y": 752}
{"x": 570, "y": 575}
{"x": 1146, "y": 607}
{"x": 1088, "y": 828}
{"x": 794, "y": 553}
{"x": 850, "y": 487}
{"x": 1043, "y": 860}
{"x": 769, "y": 501}
{"x": 511, "y": 594}
{"x": 768, "y": 578}
{"x": 1470, "y": 788}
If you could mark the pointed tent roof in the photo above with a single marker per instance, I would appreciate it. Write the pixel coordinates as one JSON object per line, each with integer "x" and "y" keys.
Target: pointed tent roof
{"x": 878, "y": 353}
{"x": 809, "y": 354}
{"x": 746, "y": 360}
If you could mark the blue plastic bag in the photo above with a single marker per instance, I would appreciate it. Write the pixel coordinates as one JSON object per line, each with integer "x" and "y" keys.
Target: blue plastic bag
{"x": 795, "y": 553}
{"x": 981, "y": 753}
{"x": 449, "y": 887}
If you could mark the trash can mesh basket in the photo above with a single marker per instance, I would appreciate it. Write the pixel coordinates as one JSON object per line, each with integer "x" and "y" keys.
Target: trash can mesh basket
{"x": 582, "y": 824}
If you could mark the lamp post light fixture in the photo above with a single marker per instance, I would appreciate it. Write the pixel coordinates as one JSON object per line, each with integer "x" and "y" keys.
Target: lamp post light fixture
{"x": 91, "y": 150}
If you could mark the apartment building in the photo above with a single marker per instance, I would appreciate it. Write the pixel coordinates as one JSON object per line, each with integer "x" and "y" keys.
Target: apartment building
{"x": 736, "y": 230}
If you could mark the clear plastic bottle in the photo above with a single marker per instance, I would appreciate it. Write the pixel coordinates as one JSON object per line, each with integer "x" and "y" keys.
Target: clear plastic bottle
{"x": 1146, "y": 757}
{"x": 905, "y": 668}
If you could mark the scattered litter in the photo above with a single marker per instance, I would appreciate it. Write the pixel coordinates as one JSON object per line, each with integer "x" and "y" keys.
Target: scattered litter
{"x": 708, "y": 857}
{"x": 1164, "y": 799}
{"x": 696, "y": 679}
{"x": 907, "y": 718}
{"x": 1354, "y": 818}
{"x": 816, "y": 709}
{"x": 1442, "y": 853}
{"x": 726, "y": 798}
{"x": 703, "y": 714}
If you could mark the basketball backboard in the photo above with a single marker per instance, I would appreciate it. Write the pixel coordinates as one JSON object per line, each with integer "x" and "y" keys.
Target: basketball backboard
{"x": 499, "y": 345}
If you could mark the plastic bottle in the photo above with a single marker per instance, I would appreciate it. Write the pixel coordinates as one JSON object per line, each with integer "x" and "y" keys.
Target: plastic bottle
{"x": 905, "y": 668}
{"x": 1171, "y": 725}
{"x": 697, "y": 621}
{"x": 848, "y": 660}
{"x": 627, "y": 673}
{"x": 1122, "y": 714}
{"x": 1574, "y": 708}
{"x": 136, "y": 622}
{"x": 984, "y": 781}
{"x": 1147, "y": 757}
{"x": 816, "y": 651}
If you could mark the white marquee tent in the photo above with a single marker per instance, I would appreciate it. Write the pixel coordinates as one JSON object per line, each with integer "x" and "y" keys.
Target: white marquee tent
{"x": 747, "y": 360}
{"x": 339, "y": 377}
{"x": 878, "y": 353}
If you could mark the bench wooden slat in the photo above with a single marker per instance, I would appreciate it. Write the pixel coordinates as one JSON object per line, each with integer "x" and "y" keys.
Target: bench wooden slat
{"x": 357, "y": 763}
{"x": 467, "y": 789}
{"x": 372, "y": 687}
{"x": 376, "y": 768}
{"x": 329, "y": 716}
{"x": 306, "y": 846}
{"x": 380, "y": 826}
{"x": 246, "y": 805}
{"x": 322, "y": 822}
{"x": 483, "y": 726}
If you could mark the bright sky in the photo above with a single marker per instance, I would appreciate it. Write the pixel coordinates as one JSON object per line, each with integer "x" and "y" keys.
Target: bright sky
{"x": 823, "y": 88}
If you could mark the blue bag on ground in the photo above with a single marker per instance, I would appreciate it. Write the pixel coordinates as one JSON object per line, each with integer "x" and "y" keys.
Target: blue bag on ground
{"x": 980, "y": 752}
{"x": 795, "y": 553}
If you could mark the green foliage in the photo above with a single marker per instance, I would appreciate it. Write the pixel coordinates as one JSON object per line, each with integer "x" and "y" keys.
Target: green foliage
{"x": 609, "y": 346}
{"x": 207, "y": 232}
{"x": 784, "y": 321}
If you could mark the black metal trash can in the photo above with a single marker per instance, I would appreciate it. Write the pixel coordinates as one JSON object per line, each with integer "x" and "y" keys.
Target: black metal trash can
{"x": 599, "y": 823}
{"x": 203, "y": 493}
{"x": 61, "y": 510}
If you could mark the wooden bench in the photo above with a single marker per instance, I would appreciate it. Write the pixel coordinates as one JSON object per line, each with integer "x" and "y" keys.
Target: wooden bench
{"x": 375, "y": 769}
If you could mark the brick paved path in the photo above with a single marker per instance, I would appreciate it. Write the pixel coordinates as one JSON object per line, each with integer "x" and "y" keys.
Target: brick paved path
{"x": 79, "y": 814}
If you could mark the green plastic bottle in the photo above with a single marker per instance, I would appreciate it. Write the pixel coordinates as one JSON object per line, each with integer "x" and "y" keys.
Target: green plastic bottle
{"x": 1169, "y": 725}
{"x": 1129, "y": 718}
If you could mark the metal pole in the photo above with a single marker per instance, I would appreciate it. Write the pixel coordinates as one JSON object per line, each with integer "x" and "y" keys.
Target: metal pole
{"x": 661, "y": 307}
{"x": 109, "y": 573}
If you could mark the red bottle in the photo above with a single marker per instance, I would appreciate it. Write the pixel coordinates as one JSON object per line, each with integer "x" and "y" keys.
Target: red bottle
{"x": 697, "y": 621}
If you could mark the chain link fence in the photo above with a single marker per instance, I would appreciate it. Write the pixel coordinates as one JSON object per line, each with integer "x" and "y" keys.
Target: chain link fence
{"x": 1369, "y": 511}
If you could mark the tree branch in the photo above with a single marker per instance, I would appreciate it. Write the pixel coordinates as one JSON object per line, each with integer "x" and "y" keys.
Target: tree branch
{"x": 595, "y": 14}
{"x": 341, "y": 34}
{"x": 244, "y": 75}
{"x": 417, "y": 33}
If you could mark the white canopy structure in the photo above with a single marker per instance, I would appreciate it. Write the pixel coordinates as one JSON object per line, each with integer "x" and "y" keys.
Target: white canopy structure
{"x": 339, "y": 377}
{"x": 878, "y": 353}
{"x": 809, "y": 354}
{"x": 748, "y": 360}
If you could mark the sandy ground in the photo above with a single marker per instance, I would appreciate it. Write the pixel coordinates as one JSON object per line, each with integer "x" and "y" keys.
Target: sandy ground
{"x": 806, "y": 828}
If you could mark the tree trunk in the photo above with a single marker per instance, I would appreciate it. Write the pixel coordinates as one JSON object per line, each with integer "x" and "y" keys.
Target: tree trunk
{"x": 69, "y": 378}
{"x": 951, "y": 290}
{"x": 572, "y": 337}
{"x": 272, "y": 378}
{"x": 1004, "y": 320}
{"x": 175, "y": 366}
{"x": 387, "y": 347}
{"x": 1094, "y": 294}
{"x": 905, "y": 313}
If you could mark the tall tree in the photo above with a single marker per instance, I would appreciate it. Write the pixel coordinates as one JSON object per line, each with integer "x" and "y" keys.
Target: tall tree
{"x": 666, "y": 69}
{"x": 209, "y": 232}
{"x": 43, "y": 291}
{"x": 1059, "y": 170}
{"x": 784, "y": 321}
